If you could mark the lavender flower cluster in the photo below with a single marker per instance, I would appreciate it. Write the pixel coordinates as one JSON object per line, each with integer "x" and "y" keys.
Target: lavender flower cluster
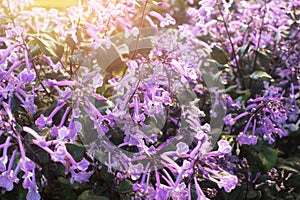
{"x": 242, "y": 55}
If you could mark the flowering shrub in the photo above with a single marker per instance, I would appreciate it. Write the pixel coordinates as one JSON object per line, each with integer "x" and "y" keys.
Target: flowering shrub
{"x": 127, "y": 99}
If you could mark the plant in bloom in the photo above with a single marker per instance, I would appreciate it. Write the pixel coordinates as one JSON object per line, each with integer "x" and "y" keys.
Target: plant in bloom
{"x": 88, "y": 112}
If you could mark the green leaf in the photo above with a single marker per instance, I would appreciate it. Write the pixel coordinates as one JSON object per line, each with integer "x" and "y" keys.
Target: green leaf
{"x": 253, "y": 194}
{"x": 66, "y": 185}
{"x": 238, "y": 193}
{"x": 34, "y": 49}
{"x": 219, "y": 55}
{"x": 91, "y": 195}
{"x": 107, "y": 177}
{"x": 291, "y": 164}
{"x": 77, "y": 151}
{"x": 18, "y": 193}
{"x": 79, "y": 59}
{"x": 267, "y": 157}
{"x": 125, "y": 186}
{"x": 48, "y": 45}
{"x": 69, "y": 41}
{"x": 262, "y": 155}
{"x": 244, "y": 49}
{"x": 44, "y": 157}
{"x": 231, "y": 88}
{"x": 260, "y": 75}
{"x": 263, "y": 57}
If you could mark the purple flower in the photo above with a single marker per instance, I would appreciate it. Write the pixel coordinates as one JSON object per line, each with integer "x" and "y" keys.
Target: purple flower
{"x": 42, "y": 121}
{"x": 27, "y": 164}
{"x": 62, "y": 133}
{"x": 27, "y": 76}
{"x": 29, "y": 105}
{"x": 293, "y": 110}
{"x": 30, "y": 184}
{"x": 14, "y": 32}
{"x": 83, "y": 164}
{"x": 9, "y": 177}
{"x": 40, "y": 140}
{"x": 4, "y": 158}
{"x": 13, "y": 67}
{"x": 269, "y": 117}
{"x": 152, "y": 24}
{"x": 54, "y": 131}
{"x": 8, "y": 112}
{"x": 224, "y": 147}
{"x": 231, "y": 121}
{"x": 228, "y": 182}
{"x": 232, "y": 105}
{"x": 7, "y": 180}
{"x": 182, "y": 148}
{"x": 75, "y": 127}
{"x": 245, "y": 139}
{"x": 163, "y": 192}
{"x": 55, "y": 67}
{"x": 132, "y": 66}
{"x": 28, "y": 167}
{"x": 135, "y": 171}
{"x": 164, "y": 21}
{"x": 66, "y": 94}
{"x": 59, "y": 154}
{"x": 200, "y": 194}
{"x": 130, "y": 140}
{"x": 60, "y": 83}
{"x": 99, "y": 97}
{"x": 33, "y": 193}
{"x": 138, "y": 116}
{"x": 180, "y": 192}
{"x": 81, "y": 177}
{"x": 5, "y": 55}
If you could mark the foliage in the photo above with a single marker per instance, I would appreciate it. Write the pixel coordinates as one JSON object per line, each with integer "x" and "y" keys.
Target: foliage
{"x": 126, "y": 100}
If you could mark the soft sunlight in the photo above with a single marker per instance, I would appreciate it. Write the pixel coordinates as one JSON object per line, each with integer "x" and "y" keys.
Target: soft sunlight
{"x": 58, "y": 4}
{"x": 149, "y": 100}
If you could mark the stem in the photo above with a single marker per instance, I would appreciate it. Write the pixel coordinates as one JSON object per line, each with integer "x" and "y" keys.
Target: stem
{"x": 259, "y": 39}
{"x": 141, "y": 26}
{"x": 247, "y": 188}
{"x": 138, "y": 36}
{"x": 21, "y": 139}
{"x": 39, "y": 77}
{"x": 73, "y": 48}
{"x": 27, "y": 50}
{"x": 231, "y": 44}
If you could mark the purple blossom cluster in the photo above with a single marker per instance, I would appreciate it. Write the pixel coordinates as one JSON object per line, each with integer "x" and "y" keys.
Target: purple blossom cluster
{"x": 269, "y": 118}
{"x": 148, "y": 92}
{"x": 166, "y": 147}
{"x": 247, "y": 32}
{"x": 22, "y": 81}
